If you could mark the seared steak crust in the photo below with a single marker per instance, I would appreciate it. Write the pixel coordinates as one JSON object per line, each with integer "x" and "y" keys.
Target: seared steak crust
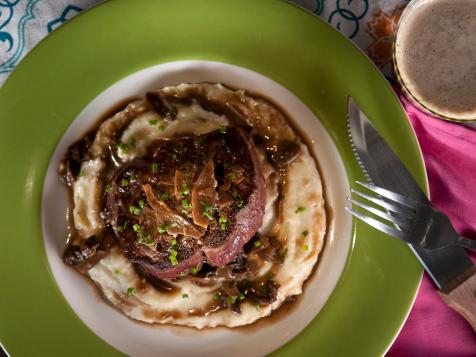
{"x": 193, "y": 200}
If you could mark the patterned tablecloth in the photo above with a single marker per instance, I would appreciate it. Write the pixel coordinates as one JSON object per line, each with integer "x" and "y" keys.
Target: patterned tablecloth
{"x": 432, "y": 328}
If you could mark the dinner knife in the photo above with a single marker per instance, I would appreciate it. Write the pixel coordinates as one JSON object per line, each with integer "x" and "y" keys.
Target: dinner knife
{"x": 450, "y": 268}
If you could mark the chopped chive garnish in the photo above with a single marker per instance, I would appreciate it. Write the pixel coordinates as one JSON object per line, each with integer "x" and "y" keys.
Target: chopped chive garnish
{"x": 240, "y": 203}
{"x": 300, "y": 209}
{"x": 185, "y": 204}
{"x": 306, "y": 247}
{"x": 185, "y": 190}
{"x": 257, "y": 243}
{"x": 123, "y": 148}
{"x": 162, "y": 228}
{"x": 257, "y": 307}
{"x": 155, "y": 167}
{"x": 173, "y": 259}
{"x": 208, "y": 215}
{"x": 173, "y": 242}
{"x": 222, "y": 129}
{"x": 119, "y": 228}
{"x": 222, "y": 221}
{"x": 173, "y": 252}
{"x": 232, "y": 176}
{"x": 163, "y": 196}
{"x": 153, "y": 122}
{"x": 184, "y": 296}
{"x": 146, "y": 239}
{"x": 134, "y": 210}
{"x": 136, "y": 227}
{"x": 132, "y": 178}
{"x": 81, "y": 173}
{"x": 108, "y": 188}
{"x": 117, "y": 272}
{"x": 231, "y": 299}
{"x": 217, "y": 296}
{"x": 194, "y": 270}
{"x": 305, "y": 233}
{"x": 130, "y": 292}
{"x": 124, "y": 182}
{"x": 234, "y": 194}
{"x": 241, "y": 296}
{"x": 161, "y": 127}
{"x": 141, "y": 203}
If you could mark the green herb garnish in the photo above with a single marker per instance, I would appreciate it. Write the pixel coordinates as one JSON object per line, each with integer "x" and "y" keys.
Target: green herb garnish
{"x": 136, "y": 228}
{"x": 154, "y": 167}
{"x": 241, "y": 296}
{"x": 185, "y": 204}
{"x": 222, "y": 221}
{"x": 162, "y": 228}
{"x": 222, "y": 129}
{"x": 141, "y": 203}
{"x": 240, "y": 203}
{"x": 108, "y": 188}
{"x": 231, "y": 299}
{"x": 134, "y": 210}
{"x": 124, "y": 182}
{"x": 194, "y": 270}
{"x": 257, "y": 307}
{"x": 81, "y": 173}
{"x": 232, "y": 176}
{"x": 306, "y": 247}
{"x": 258, "y": 243}
{"x": 173, "y": 259}
{"x": 300, "y": 209}
{"x": 173, "y": 242}
{"x": 130, "y": 292}
{"x": 305, "y": 233}
{"x": 153, "y": 122}
{"x": 161, "y": 127}
{"x": 122, "y": 148}
{"x": 185, "y": 190}
{"x": 184, "y": 296}
{"x": 163, "y": 196}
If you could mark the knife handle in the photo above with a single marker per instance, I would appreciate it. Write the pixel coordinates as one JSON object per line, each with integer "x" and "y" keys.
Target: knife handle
{"x": 460, "y": 295}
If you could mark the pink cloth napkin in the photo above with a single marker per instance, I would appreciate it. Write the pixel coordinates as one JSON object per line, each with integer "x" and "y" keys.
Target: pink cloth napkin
{"x": 433, "y": 329}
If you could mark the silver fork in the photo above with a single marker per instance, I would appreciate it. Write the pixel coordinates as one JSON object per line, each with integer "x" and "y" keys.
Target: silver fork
{"x": 416, "y": 223}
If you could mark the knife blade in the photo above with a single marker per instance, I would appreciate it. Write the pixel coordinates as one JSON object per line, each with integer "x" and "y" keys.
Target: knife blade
{"x": 382, "y": 167}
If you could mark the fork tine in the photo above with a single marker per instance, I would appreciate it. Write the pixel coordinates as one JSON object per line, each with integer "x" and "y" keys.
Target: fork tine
{"x": 378, "y": 201}
{"x": 390, "y": 195}
{"x": 396, "y": 220}
{"x": 377, "y": 224}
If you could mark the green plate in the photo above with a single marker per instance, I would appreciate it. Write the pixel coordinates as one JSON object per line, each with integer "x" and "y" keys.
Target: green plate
{"x": 287, "y": 44}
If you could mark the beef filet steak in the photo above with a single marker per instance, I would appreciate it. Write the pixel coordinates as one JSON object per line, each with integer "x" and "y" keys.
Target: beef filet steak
{"x": 193, "y": 200}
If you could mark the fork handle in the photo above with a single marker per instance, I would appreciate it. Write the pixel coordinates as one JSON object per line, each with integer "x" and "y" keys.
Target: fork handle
{"x": 467, "y": 243}
{"x": 460, "y": 295}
